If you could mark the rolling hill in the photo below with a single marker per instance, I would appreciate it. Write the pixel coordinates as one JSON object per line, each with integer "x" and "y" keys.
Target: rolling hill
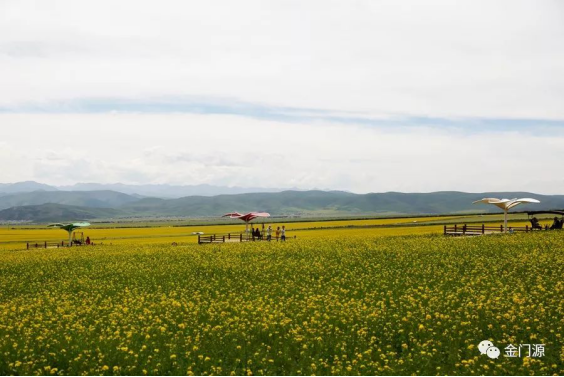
{"x": 164, "y": 191}
{"x": 334, "y": 203}
{"x": 56, "y": 212}
{"x": 105, "y": 204}
{"x": 28, "y": 186}
{"x": 94, "y": 199}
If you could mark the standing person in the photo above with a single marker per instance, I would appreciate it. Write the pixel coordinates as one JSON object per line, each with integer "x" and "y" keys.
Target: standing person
{"x": 283, "y": 238}
{"x": 277, "y": 233}
{"x": 269, "y": 233}
{"x": 258, "y": 234}
{"x": 253, "y": 232}
{"x": 88, "y": 240}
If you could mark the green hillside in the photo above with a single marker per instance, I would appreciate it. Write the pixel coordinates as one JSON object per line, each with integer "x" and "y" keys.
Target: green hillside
{"x": 56, "y": 212}
{"x": 97, "y": 204}
{"x": 334, "y": 202}
{"x": 94, "y": 199}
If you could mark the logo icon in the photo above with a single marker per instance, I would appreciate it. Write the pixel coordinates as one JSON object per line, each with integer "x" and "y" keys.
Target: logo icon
{"x": 493, "y": 352}
{"x": 487, "y": 348}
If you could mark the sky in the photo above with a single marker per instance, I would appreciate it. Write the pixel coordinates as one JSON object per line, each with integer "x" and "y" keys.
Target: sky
{"x": 364, "y": 96}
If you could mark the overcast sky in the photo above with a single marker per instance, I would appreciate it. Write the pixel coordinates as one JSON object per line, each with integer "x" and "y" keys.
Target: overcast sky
{"x": 366, "y": 96}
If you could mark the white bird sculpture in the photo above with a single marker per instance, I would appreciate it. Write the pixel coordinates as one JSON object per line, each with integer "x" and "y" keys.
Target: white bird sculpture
{"x": 506, "y": 205}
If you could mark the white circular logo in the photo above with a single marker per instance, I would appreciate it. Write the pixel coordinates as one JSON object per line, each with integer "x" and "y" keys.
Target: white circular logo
{"x": 493, "y": 352}
{"x": 487, "y": 348}
{"x": 484, "y": 345}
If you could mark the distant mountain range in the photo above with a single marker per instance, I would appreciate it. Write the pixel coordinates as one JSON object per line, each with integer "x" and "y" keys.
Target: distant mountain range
{"x": 156, "y": 191}
{"x": 42, "y": 206}
{"x": 29, "y": 186}
{"x": 94, "y": 199}
{"x": 51, "y": 212}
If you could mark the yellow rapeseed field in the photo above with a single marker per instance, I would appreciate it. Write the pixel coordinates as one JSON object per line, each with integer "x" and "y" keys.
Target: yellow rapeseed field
{"x": 15, "y": 237}
{"x": 330, "y": 305}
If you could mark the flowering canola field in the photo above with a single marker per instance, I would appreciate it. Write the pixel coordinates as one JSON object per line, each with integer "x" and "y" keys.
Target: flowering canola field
{"x": 354, "y": 305}
{"x": 15, "y": 237}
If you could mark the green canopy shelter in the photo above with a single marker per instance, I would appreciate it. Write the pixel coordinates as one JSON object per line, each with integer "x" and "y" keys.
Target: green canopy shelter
{"x": 69, "y": 228}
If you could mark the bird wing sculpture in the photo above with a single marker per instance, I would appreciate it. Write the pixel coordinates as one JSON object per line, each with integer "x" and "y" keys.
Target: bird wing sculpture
{"x": 248, "y": 217}
{"x": 69, "y": 227}
{"x": 506, "y": 205}
{"x": 516, "y": 202}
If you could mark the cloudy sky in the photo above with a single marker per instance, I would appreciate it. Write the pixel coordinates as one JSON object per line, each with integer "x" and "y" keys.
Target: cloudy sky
{"x": 366, "y": 96}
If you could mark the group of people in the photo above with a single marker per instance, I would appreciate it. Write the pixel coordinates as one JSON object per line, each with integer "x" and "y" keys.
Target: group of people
{"x": 258, "y": 235}
{"x": 86, "y": 242}
{"x": 556, "y": 224}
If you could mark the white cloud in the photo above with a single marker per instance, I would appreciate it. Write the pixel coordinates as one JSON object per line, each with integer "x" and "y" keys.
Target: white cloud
{"x": 231, "y": 150}
{"x": 434, "y": 58}
{"x": 377, "y": 59}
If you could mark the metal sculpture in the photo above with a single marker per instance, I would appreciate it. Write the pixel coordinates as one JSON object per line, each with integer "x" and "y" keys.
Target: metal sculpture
{"x": 246, "y": 218}
{"x": 69, "y": 228}
{"x": 506, "y": 205}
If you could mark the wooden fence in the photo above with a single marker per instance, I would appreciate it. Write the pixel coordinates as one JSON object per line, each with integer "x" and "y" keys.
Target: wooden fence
{"x": 46, "y": 245}
{"x": 229, "y": 237}
{"x": 478, "y": 230}
{"x": 220, "y": 238}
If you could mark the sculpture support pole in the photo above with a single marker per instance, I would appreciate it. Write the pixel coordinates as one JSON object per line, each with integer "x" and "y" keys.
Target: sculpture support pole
{"x": 505, "y": 220}
{"x": 70, "y": 237}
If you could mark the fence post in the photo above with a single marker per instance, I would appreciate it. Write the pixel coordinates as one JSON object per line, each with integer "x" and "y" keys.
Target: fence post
{"x": 199, "y": 241}
{"x": 28, "y": 245}
{"x": 444, "y": 231}
{"x": 223, "y": 238}
{"x": 455, "y": 228}
{"x": 464, "y": 229}
{"x": 501, "y": 228}
{"x": 46, "y": 244}
{"x": 526, "y": 228}
{"x": 228, "y": 236}
{"x": 241, "y": 237}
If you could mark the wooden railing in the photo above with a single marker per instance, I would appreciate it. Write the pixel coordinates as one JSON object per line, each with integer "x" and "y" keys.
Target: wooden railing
{"x": 46, "y": 245}
{"x": 231, "y": 237}
{"x": 52, "y": 245}
{"x": 215, "y": 238}
{"x": 474, "y": 230}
